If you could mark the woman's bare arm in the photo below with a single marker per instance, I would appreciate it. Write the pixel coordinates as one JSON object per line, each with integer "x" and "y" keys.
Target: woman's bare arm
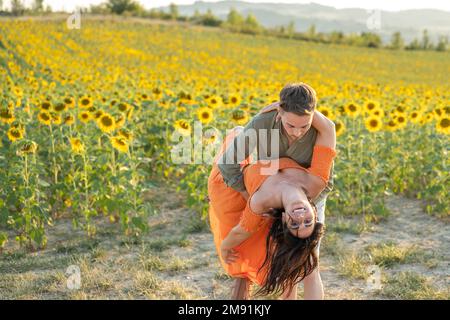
{"x": 326, "y": 136}
{"x": 235, "y": 237}
{"x": 326, "y": 130}
{"x": 238, "y": 234}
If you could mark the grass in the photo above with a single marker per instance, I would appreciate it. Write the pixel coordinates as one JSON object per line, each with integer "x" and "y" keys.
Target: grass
{"x": 331, "y": 245}
{"x": 196, "y": 225}
{"x": 353, "y": 266}
{"x": 340, "y": 225}
{"x": 22, "y": 264}
{"x": 389, "y": 254}
{"x": 409, "y": 285}
{"x": 30, "y": 285}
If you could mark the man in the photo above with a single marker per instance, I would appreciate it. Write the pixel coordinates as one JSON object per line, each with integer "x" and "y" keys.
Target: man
{"x": 293, "y": 117}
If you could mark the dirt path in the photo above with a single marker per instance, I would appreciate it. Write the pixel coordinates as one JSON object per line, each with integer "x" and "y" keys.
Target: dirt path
{"x": 177, "y": 259}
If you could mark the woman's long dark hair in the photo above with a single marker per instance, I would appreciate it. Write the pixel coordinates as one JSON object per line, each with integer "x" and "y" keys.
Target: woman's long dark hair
{"x": 289, "y": 259}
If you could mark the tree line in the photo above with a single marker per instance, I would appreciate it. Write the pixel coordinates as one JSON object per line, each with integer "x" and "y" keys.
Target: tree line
{"x": 235, "y": 22}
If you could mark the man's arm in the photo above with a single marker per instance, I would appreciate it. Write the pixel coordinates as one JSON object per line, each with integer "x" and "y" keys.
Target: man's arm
{"x": 229, "y": 162}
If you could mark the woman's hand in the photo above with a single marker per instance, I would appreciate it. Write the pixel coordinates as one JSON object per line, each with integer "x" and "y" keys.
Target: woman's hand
{"x": 229, "y": 255}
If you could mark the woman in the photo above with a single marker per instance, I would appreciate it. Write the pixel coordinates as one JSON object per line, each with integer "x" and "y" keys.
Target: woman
{"x": 273, "y": 248}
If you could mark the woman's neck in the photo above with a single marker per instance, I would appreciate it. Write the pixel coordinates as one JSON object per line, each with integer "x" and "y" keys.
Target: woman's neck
{"x": 276, "y": 193}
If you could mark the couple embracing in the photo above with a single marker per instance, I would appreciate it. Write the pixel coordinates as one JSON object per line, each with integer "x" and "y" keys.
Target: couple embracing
{"x": 267, "y": 189}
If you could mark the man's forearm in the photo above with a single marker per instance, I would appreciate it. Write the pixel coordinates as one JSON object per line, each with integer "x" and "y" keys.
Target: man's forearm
{"x": 232, "y": 176}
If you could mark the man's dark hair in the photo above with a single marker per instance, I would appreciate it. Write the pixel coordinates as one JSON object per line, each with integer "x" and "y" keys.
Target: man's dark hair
{"x": 298, "y": 98}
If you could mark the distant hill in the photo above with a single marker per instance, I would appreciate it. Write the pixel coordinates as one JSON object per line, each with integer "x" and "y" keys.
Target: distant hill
{"x": 409, "y": 22}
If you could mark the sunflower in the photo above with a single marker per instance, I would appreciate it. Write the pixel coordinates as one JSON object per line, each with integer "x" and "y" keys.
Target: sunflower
{"x": 252, "y": 96}
{"x": 106, "y": 123}
{"x": 341, "y": 110}
{"x": 439, "y": 112}
{"x": 7, "y": 115}
{"x": 327, "y": 112}
{"x": 17, "y": 125}
{"x": 123, "y": 107}
{"x": 85, "y": 102}
{"x": 92, "y": 110}
{"x": 164, "y": 104}
{"x": 446, "y": 110}
{"x": 429, "y": 117}
{"x": 183, "y": 127}
{"x": 339, "y": 127}
{"x": 214, "y": 101}
{"x": 443, "y": 125}
{"x": 378, "y": 112}
{"x": 44, "y": 117}
{"x": 401, "y": 120}
{"x": 205, "y": 115}
{"x": 119, "y": 143}
{"x": 46, "y": 106}
{"x": 15, "y": 134}
{"x": 76, "y": 145}
{"x": 112, "y": 103}
{"x": 352, "y": 109}
{"x": 69, "y": 102}
{"x": 120, "y": 120}
{"x": 415, "y": 117}
{"x": 209, "y": 137}
{"x": 26, "y": 147}
{"x": 240, "y": 117}
{"x": 157, "y": 94}
{"x": 185, "y": 97}
{"x": 69, "y": 120}
{"x": 125, "y": 133}
{"x": 84, "y": 116}
{"x": 400, "y": 109}
{"x": 373, "y": 124}
{"x": 391, "y": 125}
{"x": 234, "y": 100}
{"x": 370, "y": 106}
{"x": 97, "y": 114}
{"x": 56, "y": 118}
{"x": 60, "y": 107}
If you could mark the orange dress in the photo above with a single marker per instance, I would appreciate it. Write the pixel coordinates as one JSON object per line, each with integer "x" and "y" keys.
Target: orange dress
{"x": 228, "y": 208}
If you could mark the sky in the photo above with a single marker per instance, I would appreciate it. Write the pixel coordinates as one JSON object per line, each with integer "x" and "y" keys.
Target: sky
{"x": 388, "y": 5}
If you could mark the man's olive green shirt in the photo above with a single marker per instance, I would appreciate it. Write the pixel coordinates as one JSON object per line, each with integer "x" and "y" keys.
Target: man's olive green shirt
{"x": 300, "y": 151}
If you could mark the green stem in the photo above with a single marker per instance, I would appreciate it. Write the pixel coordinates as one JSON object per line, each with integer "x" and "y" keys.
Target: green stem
{"x": 55, "y": 169}
{"x": 86, "y": 184}
{"x": 134, "y": 179}
{"x": 26, "y": 175}
{"x": 113, "y": 161}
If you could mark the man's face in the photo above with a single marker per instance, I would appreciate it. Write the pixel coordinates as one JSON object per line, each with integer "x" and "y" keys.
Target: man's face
{"x": 295, "y": 125}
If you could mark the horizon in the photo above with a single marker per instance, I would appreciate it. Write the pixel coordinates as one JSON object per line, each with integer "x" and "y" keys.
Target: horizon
{"x": 385, "y": 5}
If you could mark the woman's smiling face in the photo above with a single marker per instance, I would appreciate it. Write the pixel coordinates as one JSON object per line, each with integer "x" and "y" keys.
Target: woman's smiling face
{"x": 300, "y": 218}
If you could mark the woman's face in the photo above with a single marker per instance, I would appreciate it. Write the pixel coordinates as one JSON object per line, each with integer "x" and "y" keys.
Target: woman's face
{"x": 300, "y": 218}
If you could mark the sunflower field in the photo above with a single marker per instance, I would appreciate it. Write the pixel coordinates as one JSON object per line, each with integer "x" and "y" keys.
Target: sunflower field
{"x": 86, "y": 118}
